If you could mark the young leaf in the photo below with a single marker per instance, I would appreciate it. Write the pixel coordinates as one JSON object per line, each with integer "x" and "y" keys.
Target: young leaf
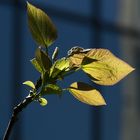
{"x": 55, "y": 54}
{"x": 41, "y": 26}
{"x": 58, "y": 67}
{"x": 43, "y": 59}
{"x": 107, "y": 69}
{"x": 30, "y": 84}
{"x": 43, "y": 101}
{"x": 86, "y": 94}
{"x": 51, "y": 89}
{"x": 36, "y": 65}
{"x": 62, "y": 64}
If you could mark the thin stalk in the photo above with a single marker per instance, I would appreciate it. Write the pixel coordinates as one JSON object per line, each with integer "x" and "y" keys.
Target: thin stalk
{"x": 15, "y": 114}
{"x": 19, "y": 108}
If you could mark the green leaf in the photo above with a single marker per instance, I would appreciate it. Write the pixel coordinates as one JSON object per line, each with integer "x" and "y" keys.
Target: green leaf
{"x": 30, "y": 84}
{"x": 36, "y": 65}
{"x": 43, "y": 101}
{"x": 43, "y": 60}
{"x": 51, "y": 89}
{"x": 60, "y": 66}
{"x": 86, "y": 94}
{"x": 41, "y": 26}
{"x": 107, "y": 69}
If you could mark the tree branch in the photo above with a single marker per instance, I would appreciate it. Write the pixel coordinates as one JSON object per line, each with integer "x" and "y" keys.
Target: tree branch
{"x": 15, "y": 114}
{"x": 18, "y": 109}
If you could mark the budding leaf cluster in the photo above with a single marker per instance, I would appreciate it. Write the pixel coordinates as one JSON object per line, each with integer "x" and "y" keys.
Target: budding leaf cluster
{"x": 100, "y": 65}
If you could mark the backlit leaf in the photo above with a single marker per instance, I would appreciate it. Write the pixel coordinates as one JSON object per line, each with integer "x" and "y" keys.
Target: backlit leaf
{"x": 30, "y": 84}
{"x": 41, "y": 26}
{"x": 43, "y": 59}
{"x": 76, "y": 60}
{"x": 107, "y": 69}
{"x": 87, "y": 60}
{"x": 36, "y": 65}
{"x": 86, "y": 94}
{"x": 58, "y": 67}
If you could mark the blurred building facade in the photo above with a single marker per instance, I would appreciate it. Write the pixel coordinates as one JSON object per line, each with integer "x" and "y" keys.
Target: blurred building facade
{"x": 90, "y": 24}
{"x": 129, "y": 17}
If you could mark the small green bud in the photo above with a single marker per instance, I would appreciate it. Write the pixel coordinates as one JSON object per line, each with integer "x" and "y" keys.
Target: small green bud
{"x": 43, "y": 101}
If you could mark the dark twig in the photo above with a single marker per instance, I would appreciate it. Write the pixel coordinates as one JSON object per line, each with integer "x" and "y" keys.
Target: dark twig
{"x": 15, "y": 114}
{"x": 18, "y": 109}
